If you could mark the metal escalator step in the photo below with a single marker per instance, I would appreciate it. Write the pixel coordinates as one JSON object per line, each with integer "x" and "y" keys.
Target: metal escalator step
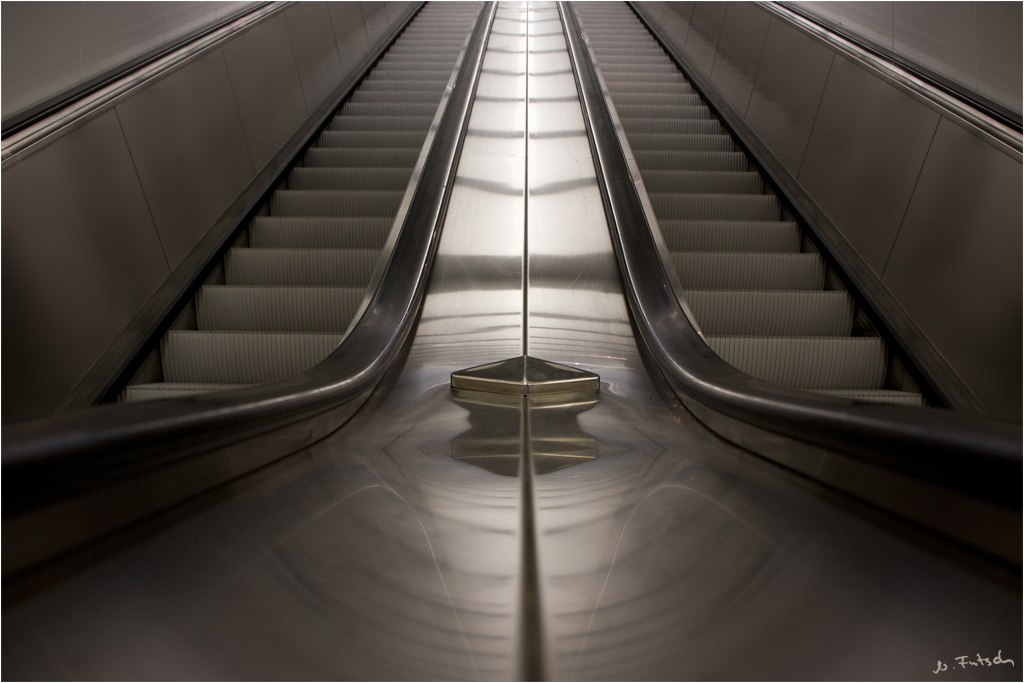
{"x": 658, "y": 99}
{"x": 305, "y": 232}
{"x": 643, "y": 60}
{"x": 680, "y": 143}
{"x": 427, "y": 109}
{"x": 617, "y": 87}
{"x": 721, "y": 236}
{"x": 748, "y": 207}
{"x": 662, "y": 111}
{"x": 374, "y": 138}
{"x": 365, "y": 157}
{"x": 363, "y": 203}
{"x": 615, "y": 77}
{"x": 807, "y": 362}
{"x": 276, "y": 309}
{"x": 666, "y": 67}
{"x": 900, "y": 398}
{"x": 393, "y": 179}
{"x": 705, "y": 270}
{"x": 136, "y": 393}
{"x": 300, "y": 267}
{"x": 719, "y": 182}
{"x": 424, "y": 62}
{"x": 689, "y": 161}
{"x": 436, "y": 87}
{"x": 346, "y": 122}
{"x": 634, "y": 126}
{"x": 241, "y": 357}
{"x": 395, "y": 75}
{"x": 772, "y": 313}
{"x": 385, "y": 95}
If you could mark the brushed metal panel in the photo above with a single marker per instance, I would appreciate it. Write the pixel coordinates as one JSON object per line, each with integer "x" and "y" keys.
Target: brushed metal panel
{"x": 114, "y": 32}
{"x": 787, "y": 92}
{"x": 265, "y": 81}
{"x": 999, "y": 52}
{"x": 705, "y": 29}
{"x": 655, "y": 10}
{"x": 956, "y": 265}
{"x": 316, "y": 53}
{"x": 940, "y": 36}
{"x": 865, "y": 153}
{"x": 80, "y": 257}
{"x": 375, "y": 19}
{"x": 676, "y": 20}
{"x": 826, "y": 10}
{"x": 873, "y": 20}
{"x": 739, "y": 52}
{"x": 187, "y": 143}
{"x": 41, "y": 50}
{"x": 182, "y": 17}
{"x": 394, "y": 10}
{"x": 349, "y": 33}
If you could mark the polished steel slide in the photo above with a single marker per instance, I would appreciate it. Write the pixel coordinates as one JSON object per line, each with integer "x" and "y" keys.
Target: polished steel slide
{"x": 453, "y": 534}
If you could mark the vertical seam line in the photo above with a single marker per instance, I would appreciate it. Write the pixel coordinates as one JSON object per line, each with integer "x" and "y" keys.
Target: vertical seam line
{"x": 145, "y": 198}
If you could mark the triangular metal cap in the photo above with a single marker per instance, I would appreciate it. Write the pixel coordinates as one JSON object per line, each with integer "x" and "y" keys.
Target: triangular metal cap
{"x": 526, "y": 376}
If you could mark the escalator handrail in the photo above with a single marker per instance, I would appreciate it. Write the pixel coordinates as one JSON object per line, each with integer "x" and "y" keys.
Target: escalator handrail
{"x": 962, "y": 452}
{"x": 48, "y": 459}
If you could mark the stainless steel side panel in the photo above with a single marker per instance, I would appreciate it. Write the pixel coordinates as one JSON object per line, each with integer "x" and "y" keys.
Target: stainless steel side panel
{"x": 967, "y": 255}
{"x": 790, "y": 81}
{"x": 316, "y": 53}
{"x": 864, "y": 156}
{"x": 739, "y": 52}
{"x": 189, "y": 150}
{"x": 705, "y": 30}
{"x": 80, "y": 256}
{"x": 375, "y": 19}
{"x": 265, "y": 82}
{"x": 349, "y": 33}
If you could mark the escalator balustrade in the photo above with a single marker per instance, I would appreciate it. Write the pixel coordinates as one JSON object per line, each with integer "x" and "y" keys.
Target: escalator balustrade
{"x": 289, "y": 288}
{"x": 757, "y": 287}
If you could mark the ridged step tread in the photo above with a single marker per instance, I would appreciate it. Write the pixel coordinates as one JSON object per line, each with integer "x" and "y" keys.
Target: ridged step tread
{"x": 347, "y": 122}
{"x": 136, "y": 393}
{"x": 312, "y": 232}
{"x": 716, "y": 270}
{"x": 300, "y": 267}
{"x": 892, "y": 396}
{"x": 382, "y": 178}
{"x": 241, "y": 357}
{"x": 706, "y": 206}
{"x": 372, "y": 138}
{"x": 772, "y": 313}
{"x": 656, "y": 160}
{"x": 703, "y": 182}
{"x": 362, "y": 157}
{"x": 363, "y": 203}
{"x": 277, "y": 309}
{"x": 736, "y": 236}
{"x": 807, "y": 362}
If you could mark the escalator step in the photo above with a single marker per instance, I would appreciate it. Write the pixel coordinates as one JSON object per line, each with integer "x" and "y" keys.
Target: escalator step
{"x": 900, "y": 398}
{"x": 300, "y": 232}
{"x": 300, "y": 267}
{"x": 387, "y": 157}
{"x": 276, "y": 309}
{"x": 393, "y": 95}
{"x": 427, "y": 109}
{"x": 390, "y": 179}
{"x": 362, "y": 203}
{"x": 373, "y": 138}
{"x": 749, "y": 271}
{"x": 662, "y": 111}
{"x": 615, "y": 77}
{"x": 689, "y": 161}
{"x": 807, "y": 362}
{"x": 751, "y": 236}
{"x": 134, "y": 393}
{"x": 346, "y": 122}
{"x": 744, "y": 207}
{"x": 696, "y": 182}
{"x": 671, "y": 142}
{"x": 241, "y": 357}
{"x": 673, "y": 126}
{"x": 617, "y": 87}
{"x": 772, "y": 313}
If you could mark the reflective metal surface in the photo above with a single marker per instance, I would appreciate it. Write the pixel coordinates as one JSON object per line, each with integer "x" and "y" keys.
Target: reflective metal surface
{"x": 316, "y": 53}
{"x": 739, "y": 52}
{"x": 441, "y": 535}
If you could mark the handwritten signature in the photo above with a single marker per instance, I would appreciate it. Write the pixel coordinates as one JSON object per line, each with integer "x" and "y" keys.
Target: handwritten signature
{"x": 966, "y": 661}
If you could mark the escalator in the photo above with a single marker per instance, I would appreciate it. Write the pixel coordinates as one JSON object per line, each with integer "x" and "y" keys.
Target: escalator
{"x": 285, "y": 294}
{"x": 419, "y": 531}
{"x": 757, "y": 286}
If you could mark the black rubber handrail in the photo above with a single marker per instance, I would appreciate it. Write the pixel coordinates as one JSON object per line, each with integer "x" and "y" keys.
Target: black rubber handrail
{"x": 964, "y": 453}
{"x": 65, "y": 455}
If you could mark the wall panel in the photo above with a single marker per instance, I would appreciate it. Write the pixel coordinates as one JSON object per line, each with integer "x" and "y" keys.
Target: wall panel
{"x": 785, "y": 97}
{"x": 865, "y": 153}
{"x": 189, "y": 149}
{"x": 705, "y": 30}
{"x": 316, "y": 53}
{"x": 349, "y": 33}
{"x": 80, "y": 256}
{"x": 739, "y": 53}
{"x": 956, "y": 265}
{"x": 375, "y": 19}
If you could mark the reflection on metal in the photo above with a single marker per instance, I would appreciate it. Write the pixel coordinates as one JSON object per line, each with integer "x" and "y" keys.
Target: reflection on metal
{"x": 526, "y": 376}
{"x": 494, "y": 440}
